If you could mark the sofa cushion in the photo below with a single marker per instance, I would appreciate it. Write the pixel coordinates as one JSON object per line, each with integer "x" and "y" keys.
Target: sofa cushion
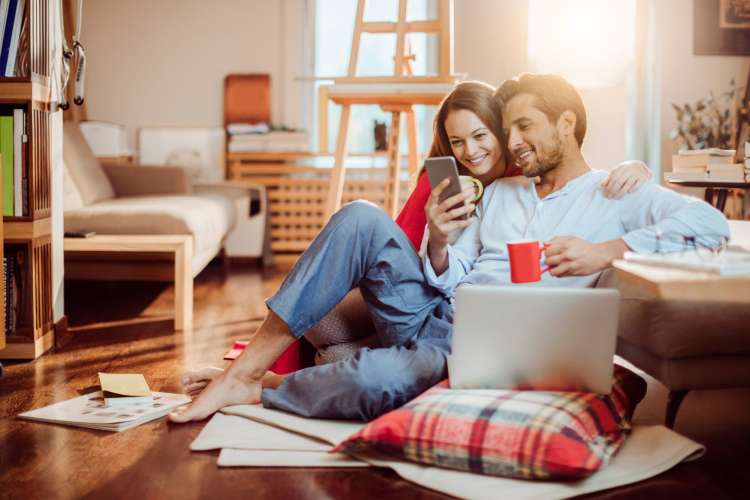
{"x": 84, "y": 168}
{"x": 520, "y": 434}
{"x": 675, "y": 329}
{"x": 207, "y": 218}
{"x": 71, "y": 195}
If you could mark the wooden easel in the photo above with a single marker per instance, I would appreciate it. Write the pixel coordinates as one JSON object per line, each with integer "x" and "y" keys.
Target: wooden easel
{"x": 395, "y": 94}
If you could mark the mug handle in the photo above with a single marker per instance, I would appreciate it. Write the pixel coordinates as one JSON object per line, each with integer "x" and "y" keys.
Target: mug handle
{"x": 542, "y": 247}
{"x": 479, "y": 189}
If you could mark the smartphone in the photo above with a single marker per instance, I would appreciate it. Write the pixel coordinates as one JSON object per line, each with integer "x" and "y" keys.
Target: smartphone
{"x": 442, "y": 167}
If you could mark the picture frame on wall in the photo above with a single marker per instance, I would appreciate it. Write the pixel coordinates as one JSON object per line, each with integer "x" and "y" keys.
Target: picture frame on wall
{"x": 721, "y": 27}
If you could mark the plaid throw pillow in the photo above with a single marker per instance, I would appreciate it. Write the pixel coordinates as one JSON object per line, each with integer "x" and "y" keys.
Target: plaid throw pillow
{"x": 520, "y": 434}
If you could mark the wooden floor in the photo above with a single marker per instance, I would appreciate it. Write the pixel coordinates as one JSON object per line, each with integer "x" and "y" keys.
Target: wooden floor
{"x": 127, "y": 327}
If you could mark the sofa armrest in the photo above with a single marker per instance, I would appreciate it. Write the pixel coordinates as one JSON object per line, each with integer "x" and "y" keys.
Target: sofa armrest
{"x": 230, "y": 189}
{"x": 139, "y": 180}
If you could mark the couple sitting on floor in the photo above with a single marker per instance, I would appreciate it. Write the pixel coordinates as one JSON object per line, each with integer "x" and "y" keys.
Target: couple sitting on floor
{"x": 538, "y": 120}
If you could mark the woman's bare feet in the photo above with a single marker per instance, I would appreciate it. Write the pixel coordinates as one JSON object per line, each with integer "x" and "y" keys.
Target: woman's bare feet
{"x": 222, "y": 391}
{"x": 194, "y": 381}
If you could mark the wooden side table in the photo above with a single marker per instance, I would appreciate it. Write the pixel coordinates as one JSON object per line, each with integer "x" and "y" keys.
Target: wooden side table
{"x": 680, "y": 284}
{"x": 721, "y": 189}
{"x": 179, "y": 246}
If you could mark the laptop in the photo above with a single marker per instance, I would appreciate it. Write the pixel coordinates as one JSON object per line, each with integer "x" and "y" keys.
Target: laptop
{"x": 539, "y": 338}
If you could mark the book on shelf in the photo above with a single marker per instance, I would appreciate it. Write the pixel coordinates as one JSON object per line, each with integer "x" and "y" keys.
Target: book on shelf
{"x": 19, "y": 137}
{"x": 13, "y": 277}
{"x": 6, "y": 149}
{"x": 12, "y": 24}
{"x": 14, "y": 150}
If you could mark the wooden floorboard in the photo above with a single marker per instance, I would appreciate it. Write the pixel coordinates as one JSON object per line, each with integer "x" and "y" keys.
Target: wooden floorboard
{"x": 128, "y": 327}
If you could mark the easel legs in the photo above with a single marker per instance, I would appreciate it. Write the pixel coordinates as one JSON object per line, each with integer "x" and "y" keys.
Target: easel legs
{"x": 336, "y": 190}
{"x": 394, "y": 157}
{"x": 393, "y": 184}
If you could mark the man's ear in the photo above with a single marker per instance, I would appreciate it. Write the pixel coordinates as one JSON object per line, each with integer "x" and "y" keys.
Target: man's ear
{"x": 566, "y": 124}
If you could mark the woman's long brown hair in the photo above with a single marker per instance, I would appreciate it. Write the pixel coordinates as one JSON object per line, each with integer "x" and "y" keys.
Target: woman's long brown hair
{"x": 473, "y": 96}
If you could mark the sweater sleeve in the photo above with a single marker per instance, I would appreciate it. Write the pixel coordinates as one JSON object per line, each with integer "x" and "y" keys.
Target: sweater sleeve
{"x": 412, "y": 218}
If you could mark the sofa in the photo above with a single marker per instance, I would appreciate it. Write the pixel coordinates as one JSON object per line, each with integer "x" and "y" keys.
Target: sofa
{"x": 133, "y": 199}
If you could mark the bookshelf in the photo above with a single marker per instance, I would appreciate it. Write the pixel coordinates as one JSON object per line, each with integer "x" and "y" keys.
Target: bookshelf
{"x": 27, "y": 239}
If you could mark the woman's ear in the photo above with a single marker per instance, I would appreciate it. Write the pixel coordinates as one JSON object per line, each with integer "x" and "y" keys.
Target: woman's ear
{"x": 567, "y": 123}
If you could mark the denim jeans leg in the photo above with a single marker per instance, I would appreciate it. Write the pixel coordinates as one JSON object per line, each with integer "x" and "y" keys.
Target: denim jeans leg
{"x": 361, "y": 387}
{"x": 360, "y": 246}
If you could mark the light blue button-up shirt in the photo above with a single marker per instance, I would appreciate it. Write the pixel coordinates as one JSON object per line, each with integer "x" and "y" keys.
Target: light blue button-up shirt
{"x": 510, "y": 210}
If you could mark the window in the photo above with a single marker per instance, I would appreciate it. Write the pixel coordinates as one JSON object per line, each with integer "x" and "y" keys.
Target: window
{"x": 589, "y": 42}
{"x": 334, "y": 26}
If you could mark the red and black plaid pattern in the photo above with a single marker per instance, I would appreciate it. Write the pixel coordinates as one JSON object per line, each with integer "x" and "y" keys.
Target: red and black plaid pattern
{"x": 520, "y": 434}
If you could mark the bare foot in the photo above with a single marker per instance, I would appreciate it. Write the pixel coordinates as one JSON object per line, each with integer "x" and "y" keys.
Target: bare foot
{"x": 194, "y": 381}
{"x": 272, "y": 380}
{"x": 222, "y": 391}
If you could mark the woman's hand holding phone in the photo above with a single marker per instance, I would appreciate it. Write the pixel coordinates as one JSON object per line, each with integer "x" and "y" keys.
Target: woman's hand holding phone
{"x": 445, "y": 217}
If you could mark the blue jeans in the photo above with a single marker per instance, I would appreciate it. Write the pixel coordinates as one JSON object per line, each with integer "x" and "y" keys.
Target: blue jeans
{"x": 362, "y": 246}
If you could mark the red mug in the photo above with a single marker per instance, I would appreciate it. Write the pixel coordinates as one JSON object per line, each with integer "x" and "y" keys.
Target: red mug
{"x": 524, "y": 256}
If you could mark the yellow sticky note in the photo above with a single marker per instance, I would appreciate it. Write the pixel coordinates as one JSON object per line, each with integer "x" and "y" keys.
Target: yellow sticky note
{"x": 125, "y": 384}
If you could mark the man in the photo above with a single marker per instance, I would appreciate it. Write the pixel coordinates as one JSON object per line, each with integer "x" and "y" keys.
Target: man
{"x": 410, "y": 306}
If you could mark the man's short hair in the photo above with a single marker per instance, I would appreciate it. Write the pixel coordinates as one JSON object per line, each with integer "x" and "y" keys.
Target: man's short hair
{"x": 553, "y": 95}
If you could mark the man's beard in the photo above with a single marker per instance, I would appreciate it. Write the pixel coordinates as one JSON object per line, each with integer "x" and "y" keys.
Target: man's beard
{"x": 548, "y": 157}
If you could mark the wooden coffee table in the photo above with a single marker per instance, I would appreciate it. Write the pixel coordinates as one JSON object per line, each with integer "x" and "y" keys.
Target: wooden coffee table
{"x": 178, "y": 246}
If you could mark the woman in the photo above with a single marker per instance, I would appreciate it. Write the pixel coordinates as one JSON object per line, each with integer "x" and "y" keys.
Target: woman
{"x": 468, "y": 127}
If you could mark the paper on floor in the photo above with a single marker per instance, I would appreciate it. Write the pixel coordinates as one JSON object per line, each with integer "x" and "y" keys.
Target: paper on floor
{"x": 649, "y": 451}
{"x": 89, "y": 411}
{"x": 331, "y": 431}
{"x": 230, "y": 457}
{"x": 230, "y": 431}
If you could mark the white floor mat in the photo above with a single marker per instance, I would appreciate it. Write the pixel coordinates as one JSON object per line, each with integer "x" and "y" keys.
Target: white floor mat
{"x": 330, "y": 431}
{"x": 230, "y": 457}
{"x": 649, "y": 451}
{"x": 224, "y": 431}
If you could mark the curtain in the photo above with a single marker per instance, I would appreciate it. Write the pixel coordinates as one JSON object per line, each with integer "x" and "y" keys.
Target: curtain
{"x": 643, "y": 123}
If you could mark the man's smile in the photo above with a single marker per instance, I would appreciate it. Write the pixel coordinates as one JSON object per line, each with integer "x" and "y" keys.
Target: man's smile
{"x": 522, "y": 155}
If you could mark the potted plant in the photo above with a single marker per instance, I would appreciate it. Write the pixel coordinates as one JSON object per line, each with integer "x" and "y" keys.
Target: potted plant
{"x": 710, "y": 122}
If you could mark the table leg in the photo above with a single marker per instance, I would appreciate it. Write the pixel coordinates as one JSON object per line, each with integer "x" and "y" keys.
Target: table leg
{"x": 709, "y": 196}
{"x": 721, "y": 200}
{"x": 183, "y": 286}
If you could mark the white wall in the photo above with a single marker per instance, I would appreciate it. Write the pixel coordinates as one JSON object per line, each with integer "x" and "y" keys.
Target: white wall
{"x": 163, "y": 63}
{"x": 165, "y": 66}
{"x": 686, "y": 77}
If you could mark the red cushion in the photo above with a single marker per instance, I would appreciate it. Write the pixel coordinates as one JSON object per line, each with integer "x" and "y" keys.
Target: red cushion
{"x": 520, "y": 434}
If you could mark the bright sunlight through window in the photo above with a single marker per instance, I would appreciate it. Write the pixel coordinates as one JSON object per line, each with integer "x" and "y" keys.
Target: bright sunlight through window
{"x": 589, "y": 42}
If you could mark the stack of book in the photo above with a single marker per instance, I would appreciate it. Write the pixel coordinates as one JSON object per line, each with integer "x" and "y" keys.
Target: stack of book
{"x": 747, "y": 162}
{"x": 14, "y": 41}
{"x": 260, "y": 137}
{"x": 14, "y": 152}
{"x": 13, "y": 281}
{"x": 710, "y": 165}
